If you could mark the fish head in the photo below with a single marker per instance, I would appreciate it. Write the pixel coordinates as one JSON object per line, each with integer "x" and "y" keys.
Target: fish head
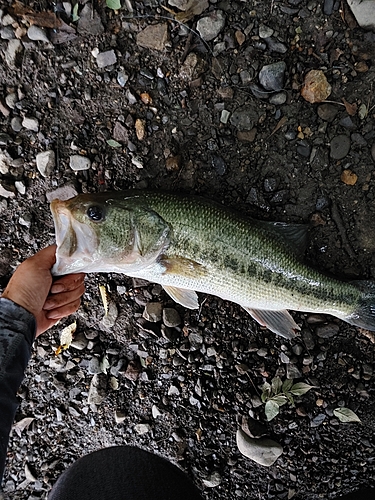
{"x": 100, "y": 233}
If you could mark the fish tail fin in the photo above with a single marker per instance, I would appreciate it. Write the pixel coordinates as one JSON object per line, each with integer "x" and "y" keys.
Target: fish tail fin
{"x": 364, "y": 315}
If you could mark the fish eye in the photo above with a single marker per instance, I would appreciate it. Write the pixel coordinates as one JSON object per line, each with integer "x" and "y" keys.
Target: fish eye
{"x": 95, "y": 213}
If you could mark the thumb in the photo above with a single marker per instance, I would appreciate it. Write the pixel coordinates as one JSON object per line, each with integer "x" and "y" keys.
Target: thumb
{"x": 46, "y": 257}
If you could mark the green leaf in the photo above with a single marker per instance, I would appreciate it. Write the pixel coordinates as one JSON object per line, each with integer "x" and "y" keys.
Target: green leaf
{"x": 290, "y": 398}
{"x": 287, "y": 384}
{"x": 346, "y": 415}
{"x": 300, "y": 388}
{"x": 113, "y": 143}
{"x": 266, "y": 391}
{"x": 362, "y": 111}
{"x": 271, "y": 409}
{"x": 75, "y": 15}
{"x": 276, "y": 385}
{"x": 280, "y": 399}
{"x": 113, "y": 4}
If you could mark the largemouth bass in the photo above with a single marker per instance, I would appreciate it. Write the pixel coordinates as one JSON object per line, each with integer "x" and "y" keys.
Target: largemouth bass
{"x": 189, "y": 245}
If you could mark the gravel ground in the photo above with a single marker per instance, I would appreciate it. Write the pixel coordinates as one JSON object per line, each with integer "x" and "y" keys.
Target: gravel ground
{"x": 213, "y": 100}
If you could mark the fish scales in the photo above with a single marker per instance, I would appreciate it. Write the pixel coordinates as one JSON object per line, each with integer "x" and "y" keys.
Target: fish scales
{"x": 265, "y": 273}
{"x": 188, "y": 244}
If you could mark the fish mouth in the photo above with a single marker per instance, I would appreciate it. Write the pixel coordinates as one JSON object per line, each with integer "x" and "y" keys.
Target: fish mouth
{"x": 76, "y": 242}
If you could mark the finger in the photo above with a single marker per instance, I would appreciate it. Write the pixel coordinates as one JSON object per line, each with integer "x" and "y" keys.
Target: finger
{"x": 67, "y": 283}
{"x": 60, "y": 299}
{"x": 45, "y": 257}
{"x": 64, "y": 310}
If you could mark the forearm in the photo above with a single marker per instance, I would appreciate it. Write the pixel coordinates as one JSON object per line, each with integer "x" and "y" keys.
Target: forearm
{"x": 17, "y": 332}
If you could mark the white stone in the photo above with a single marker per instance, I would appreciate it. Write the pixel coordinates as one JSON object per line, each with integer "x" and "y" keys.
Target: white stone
{"x": 7, "y": 20}
{"x": 45, "y": 162}
{"x": 5, "y": 193}
{"x": 155, "y": 411}
{"x": 104, "y": 59}
{"x": 11, "y": 100}
{"x": 212, "y": 480}
{"x": 78, "y": 162}
{"x": 119, "y": 416}
{"x": 142, "y": 429}
{"x": 20, "y": 186}
{"x": 37, "y": 34}
{"x": 30, "y": 123}
{"x": 5, "y": 162}
{"x": 13, "y": 49}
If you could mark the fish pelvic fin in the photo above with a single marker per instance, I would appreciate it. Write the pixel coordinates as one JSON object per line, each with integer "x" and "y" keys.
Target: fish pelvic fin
{"x": 187, "y": 298}
{"x": 280, "y": 322}
{"x": 364, "y": 314}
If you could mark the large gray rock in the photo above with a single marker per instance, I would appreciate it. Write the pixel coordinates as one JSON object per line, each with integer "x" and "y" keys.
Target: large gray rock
{"x": 364, "y": 12}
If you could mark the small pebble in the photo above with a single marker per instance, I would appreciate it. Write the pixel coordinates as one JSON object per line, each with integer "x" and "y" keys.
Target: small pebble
{"x": 30, "y": 123}
{"x": 46, "y": 162}
{"x": 153, "y": 312}
{"x": 327, "y": 331}
{"x": 37, "y": 34}
{"x": 278, "y": 99}
{"x": 119, "y": 416}
{"x": 171, "y": 317}
{"x": 340, "y": 147}
{"x": 327, "y": 112}
{"x": 209, "y": 27}
{"x": 265, "y": 31}
{"x": 78, "y": 162}
{"x": 104, "y": 59}
{"x": 11, "y": 100}
{"x": 271, "y": 76}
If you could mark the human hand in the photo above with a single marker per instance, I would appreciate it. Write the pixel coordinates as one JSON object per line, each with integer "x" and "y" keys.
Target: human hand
{"x": 33, "y": 288}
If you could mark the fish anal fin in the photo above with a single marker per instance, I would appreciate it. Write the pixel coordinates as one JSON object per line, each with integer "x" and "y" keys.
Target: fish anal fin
{"x": 280, "y": 322}
{"x": 187, "y": 298}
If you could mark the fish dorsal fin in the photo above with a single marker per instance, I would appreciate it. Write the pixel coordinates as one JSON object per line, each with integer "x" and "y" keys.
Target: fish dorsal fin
{"x": 295, "y": 235}
{"x": 280, "y": 322}
{"x": 187, "y": 298}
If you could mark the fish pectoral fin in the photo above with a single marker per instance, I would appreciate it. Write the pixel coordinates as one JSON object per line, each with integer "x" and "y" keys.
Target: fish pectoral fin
{"x": 280, "y": 322}
{"x": 183, "y": 266}
{"x": 187, "y": 298}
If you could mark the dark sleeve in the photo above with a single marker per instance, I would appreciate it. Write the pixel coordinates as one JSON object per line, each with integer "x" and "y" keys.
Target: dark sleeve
{"x": 17, "y": 332}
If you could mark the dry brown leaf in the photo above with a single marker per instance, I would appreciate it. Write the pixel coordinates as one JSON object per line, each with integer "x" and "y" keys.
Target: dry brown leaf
{"x": 140, "y": 129}
{"x": 281, "y": 123}
{"x": 315, "y": 86}
{"x": 348, "y": 177}
{"x": 193, "y": 8}
{"x": 351, "y": 109}
{"x": 42, "y": 19}
{"x": 368, "y": 334}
